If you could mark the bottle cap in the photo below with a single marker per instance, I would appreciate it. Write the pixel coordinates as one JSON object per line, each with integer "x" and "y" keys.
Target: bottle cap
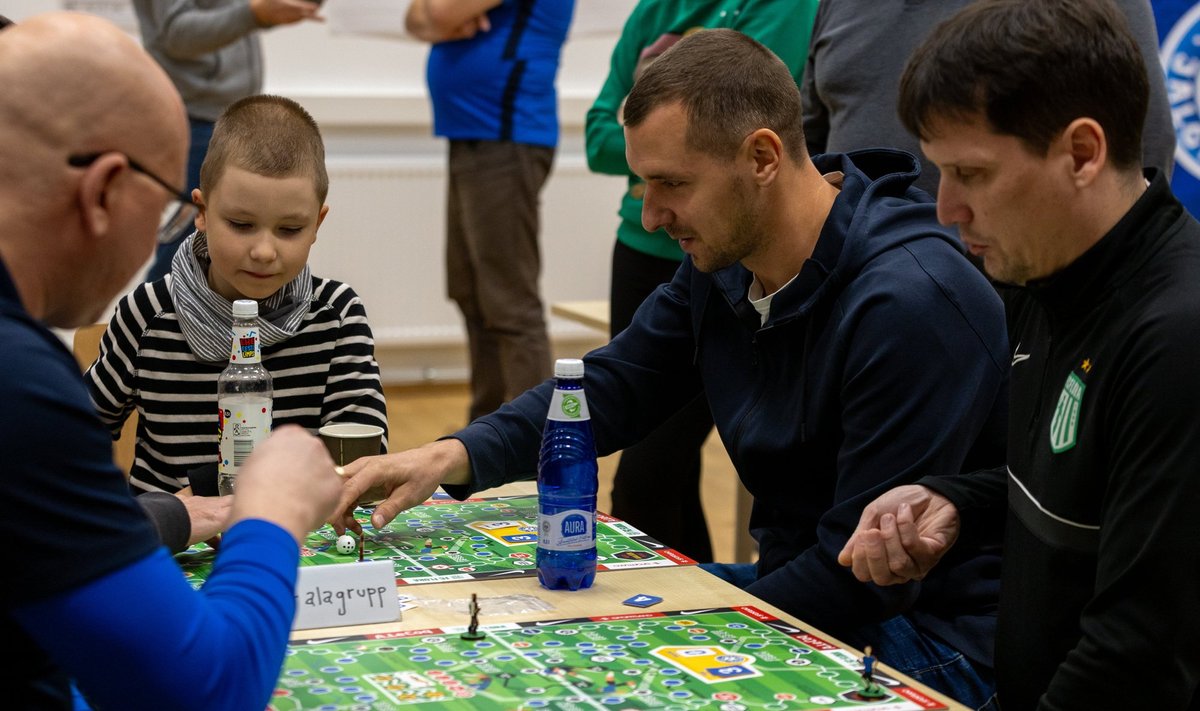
{"x": 568, "y": 368}
{"x": 245, "y": 307}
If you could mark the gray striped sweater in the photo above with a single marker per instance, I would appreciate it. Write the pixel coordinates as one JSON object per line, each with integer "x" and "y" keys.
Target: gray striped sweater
{"x": 324, "y": 373}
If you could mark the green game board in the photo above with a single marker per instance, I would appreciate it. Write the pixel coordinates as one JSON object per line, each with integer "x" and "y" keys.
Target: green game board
{"x": 467, "y": 540}
{"x": 724, "y": 659}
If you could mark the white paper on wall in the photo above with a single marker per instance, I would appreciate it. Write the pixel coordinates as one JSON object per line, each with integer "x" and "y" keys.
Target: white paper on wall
{"x": 600, "y": 17}
{"x": 374, "y": 18}
{"x": 385, "y": 18}
{"x": 119, "y": 12}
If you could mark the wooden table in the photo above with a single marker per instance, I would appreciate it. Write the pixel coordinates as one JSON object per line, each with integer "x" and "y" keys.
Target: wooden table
{"x": 590, "y": 313}
{"x": 440, "y": 605}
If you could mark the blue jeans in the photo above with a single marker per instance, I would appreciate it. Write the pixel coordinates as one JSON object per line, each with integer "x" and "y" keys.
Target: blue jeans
{"x": 201, "y": 133}
{"x": 739, "y": 575}
{"x": 900, "y": 645}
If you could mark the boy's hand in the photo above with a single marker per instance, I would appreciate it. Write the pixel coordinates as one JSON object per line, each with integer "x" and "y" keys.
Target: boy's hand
{"x": 208, "y": 514}
{"x": 269, "y": 13}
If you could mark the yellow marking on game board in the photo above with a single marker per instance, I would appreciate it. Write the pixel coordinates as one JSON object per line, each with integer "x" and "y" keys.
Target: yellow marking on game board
{"x": 709, "y": 664}
{"x": 508, "y": 533}
{"x": 406, "y": 686}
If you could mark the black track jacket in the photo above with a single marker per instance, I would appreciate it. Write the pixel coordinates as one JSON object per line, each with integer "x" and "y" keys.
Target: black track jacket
{"x": 1100, "y": 585}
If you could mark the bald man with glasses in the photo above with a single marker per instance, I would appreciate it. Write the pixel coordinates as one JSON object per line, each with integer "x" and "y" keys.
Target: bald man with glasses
{"x": 84, "y": 178}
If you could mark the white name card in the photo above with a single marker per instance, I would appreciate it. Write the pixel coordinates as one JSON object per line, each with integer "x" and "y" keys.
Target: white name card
{"x": 346, "y": 594}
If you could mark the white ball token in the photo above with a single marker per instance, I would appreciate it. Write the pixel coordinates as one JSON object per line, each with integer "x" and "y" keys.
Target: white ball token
{"x": 346, "y": 544}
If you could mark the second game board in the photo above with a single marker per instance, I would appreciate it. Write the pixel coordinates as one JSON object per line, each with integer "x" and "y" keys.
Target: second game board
{"x": 739, "y": 659}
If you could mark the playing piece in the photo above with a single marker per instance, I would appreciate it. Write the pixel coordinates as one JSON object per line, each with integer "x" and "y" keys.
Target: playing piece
{"x": 473, "y": 632}
{"x": 346, "y": 544}
{"x": 642, "y": 601}
{"x": 871, "y": 689}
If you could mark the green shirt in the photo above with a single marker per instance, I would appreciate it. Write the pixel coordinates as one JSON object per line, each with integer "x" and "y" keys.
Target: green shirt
{"x": 784, "y": 26}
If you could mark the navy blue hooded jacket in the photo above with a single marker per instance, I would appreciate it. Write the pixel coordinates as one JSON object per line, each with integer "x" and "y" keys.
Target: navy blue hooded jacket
{"x": 883, "y": 361}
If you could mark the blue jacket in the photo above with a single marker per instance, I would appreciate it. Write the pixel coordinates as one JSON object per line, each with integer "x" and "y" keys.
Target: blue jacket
{"x": 499, "y": 85}
{"x": 883, "y": 361}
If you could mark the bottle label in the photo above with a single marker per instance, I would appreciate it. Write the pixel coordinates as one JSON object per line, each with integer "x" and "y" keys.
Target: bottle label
{"x": 571, "y": 530}
{"x": 568, "y": 406}
{"x": 245, "y": 345}
{"x": 241, "y": 424}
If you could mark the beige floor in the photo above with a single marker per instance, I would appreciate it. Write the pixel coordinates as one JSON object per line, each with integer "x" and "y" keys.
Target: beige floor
{"x": 419, "y": 414}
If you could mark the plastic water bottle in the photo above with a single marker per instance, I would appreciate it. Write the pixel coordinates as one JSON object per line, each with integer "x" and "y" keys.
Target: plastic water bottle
{"x": 243, "y": 397}
{"x": 566, "y": 549}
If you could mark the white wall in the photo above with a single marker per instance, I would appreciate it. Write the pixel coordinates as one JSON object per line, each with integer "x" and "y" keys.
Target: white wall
{"x": 384, "y": 233}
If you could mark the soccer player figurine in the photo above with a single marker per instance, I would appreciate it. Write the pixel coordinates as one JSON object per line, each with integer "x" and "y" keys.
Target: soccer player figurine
{"x": 870, "y": 689}
{"x": 473, "y": 632}
{"x": 428, "y": 546}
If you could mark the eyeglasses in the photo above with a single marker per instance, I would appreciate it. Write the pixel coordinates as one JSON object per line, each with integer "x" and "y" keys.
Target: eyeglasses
{"x": 86, "y": 159}
{"x": 178, "y": 213}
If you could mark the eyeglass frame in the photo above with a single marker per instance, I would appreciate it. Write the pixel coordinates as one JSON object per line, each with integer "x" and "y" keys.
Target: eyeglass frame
{"x": 83, "y": 160}
{"x": 178, "y": 212}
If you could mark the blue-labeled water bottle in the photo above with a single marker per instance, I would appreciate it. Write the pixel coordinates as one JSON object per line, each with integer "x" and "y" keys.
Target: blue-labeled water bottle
{"x": 566, "y": 549}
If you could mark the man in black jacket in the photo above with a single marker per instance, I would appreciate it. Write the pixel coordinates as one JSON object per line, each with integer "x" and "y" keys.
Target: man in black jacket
{"x": 1034, "y": 113}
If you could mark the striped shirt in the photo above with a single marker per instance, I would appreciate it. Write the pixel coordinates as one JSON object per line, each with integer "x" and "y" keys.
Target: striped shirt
{"x": 324, "y": 373}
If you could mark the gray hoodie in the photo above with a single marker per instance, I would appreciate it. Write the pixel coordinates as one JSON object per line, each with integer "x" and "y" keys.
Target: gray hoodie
{"x": 209, "y": 48}
{"x": 859, "y": 49}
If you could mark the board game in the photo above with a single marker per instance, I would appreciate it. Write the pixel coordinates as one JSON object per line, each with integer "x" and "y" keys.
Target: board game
{"x": 730, "y": 659}
{"x": 444, "y": 540}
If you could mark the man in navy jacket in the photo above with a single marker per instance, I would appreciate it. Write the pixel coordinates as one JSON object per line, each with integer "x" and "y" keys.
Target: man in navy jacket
{"x": 842, "y": 339}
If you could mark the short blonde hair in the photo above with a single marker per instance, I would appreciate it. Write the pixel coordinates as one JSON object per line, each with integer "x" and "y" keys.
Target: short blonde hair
{"x": 267, "y": 135}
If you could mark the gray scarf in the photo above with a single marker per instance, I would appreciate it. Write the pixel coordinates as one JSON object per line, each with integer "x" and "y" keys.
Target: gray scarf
{"x": 206, "y": 317}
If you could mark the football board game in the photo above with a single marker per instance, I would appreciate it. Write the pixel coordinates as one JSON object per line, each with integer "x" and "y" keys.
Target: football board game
{"x": 730, "y": 659}
{"x": 445, "y": 540}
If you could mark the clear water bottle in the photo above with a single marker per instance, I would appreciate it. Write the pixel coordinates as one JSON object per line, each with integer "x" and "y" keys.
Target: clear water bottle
{"x": 243, "y": 397}
{"x": 566, "y": 549}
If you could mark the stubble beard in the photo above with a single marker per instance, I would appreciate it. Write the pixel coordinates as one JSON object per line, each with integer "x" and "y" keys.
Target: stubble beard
{"x": 743, "y": 234}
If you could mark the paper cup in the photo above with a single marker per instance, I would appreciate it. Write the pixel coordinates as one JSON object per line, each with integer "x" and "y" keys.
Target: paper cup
{"x": 349, "y": 441}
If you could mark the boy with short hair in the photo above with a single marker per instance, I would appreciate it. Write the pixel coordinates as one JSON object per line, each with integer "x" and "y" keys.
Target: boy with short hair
{"x": 261, "y": 201}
